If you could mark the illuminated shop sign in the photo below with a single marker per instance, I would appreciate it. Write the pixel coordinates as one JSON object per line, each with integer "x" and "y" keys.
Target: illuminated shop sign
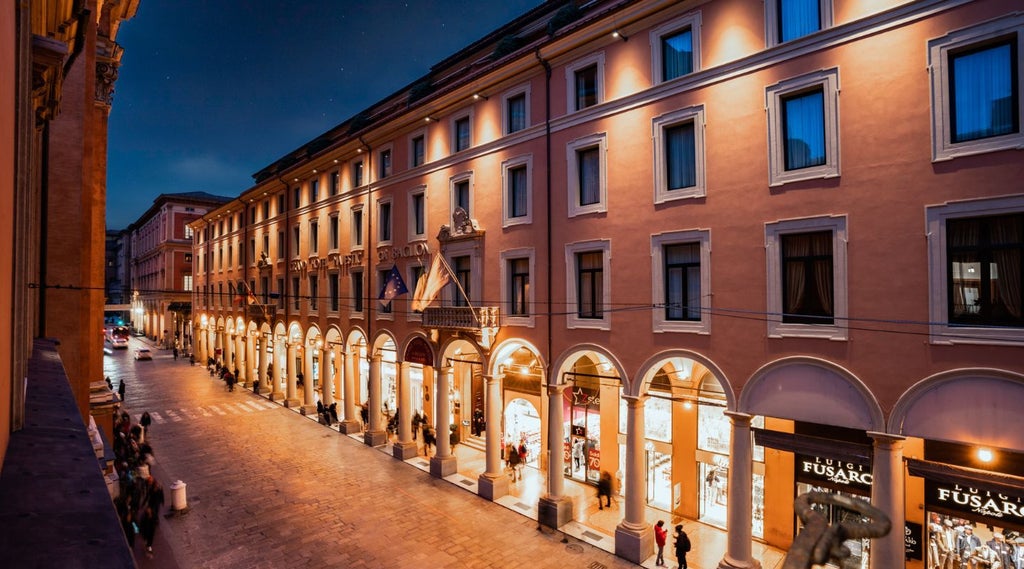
{"x": 833, "y": 473}
{"x": 965, "y": 499}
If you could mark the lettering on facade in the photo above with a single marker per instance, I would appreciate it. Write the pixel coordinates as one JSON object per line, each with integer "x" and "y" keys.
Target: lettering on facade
{"x": 585, "y": 397}
{"x": 298, "y": 266}
{"x": 912, "y": 540}
{"x": 395, "y": 253}
{"x": 837, "y": 472}
{"x": 982, "y": 502}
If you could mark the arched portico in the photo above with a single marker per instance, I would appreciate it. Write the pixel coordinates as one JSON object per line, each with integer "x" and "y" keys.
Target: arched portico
{"x": 355, "y": 387}
{"x": 382, "y": 384}
{"x": 415, "y": 372}
{"x": 312, "y": 368}
{"x": 459, "y": 394}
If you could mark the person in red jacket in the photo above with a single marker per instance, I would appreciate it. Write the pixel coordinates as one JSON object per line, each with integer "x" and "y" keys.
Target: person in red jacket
{"x": 660, "y": 535}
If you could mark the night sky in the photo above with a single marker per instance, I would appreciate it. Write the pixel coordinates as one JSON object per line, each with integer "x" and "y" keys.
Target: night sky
{"x": 209, "y": 92}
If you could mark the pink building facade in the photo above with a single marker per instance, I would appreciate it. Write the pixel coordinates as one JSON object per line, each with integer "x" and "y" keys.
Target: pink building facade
{"x": 725, "y": 251}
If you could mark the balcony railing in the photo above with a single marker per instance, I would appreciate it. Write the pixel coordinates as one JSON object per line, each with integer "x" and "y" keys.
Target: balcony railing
{"x": 461, "y": 317}
{"x": 261, "y": 311}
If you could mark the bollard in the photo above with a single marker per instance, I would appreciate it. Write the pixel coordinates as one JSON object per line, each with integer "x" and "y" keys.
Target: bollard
{"x": 178, "y": 501}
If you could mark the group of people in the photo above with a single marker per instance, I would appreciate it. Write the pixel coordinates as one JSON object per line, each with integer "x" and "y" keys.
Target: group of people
{"x": 682, "y": 544}
{"x": 141, "y": 496}
{"x": 217, "y": 369}
{"x": 515, "y": 458}
{"x": 328, "y": 413}
{"x": 952, "y": 544}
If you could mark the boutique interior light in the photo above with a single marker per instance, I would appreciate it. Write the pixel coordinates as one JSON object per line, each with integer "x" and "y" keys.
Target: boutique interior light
{"x": 985, "y": 455}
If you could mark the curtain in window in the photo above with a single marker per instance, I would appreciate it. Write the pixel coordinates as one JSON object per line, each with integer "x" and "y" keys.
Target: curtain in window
{"x": 682, "y": 282}
{"x": 797, "y": 18}
{"x": 821, "y": 245}
{"x": 983, "y": 95}
{"x": 591, "y": 284}
{"x": 517, "y": 197}
{"x": 589, "y": 176}
{"x": 680, "y": 156}
{"x": 517, "y": 113}
{"x": 796, "y": 271}
{"x": 1008, "y": 231}
{"x": 586, "y": 87}
{"x": 803, "y": 119}
{"x": 963, "y": 233}
{"x": 677, "y": 54}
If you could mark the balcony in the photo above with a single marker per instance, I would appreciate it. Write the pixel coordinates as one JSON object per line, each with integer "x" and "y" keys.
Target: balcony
{"x": 461, "y": 318}
{"x": 261, "y": 312}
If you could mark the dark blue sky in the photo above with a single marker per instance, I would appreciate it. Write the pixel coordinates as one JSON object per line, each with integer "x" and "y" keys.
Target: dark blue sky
{"x": 210, "y": 91}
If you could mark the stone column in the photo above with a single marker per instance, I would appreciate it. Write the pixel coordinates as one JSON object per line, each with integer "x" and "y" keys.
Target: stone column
{"x": 350, "y": 423}
{"x": 554, "y": 509}
{"x": 291, "y": 398}
{"x": 240, "y": 361}
{"x": 275, "y": 370}
{"x": 405, "y": 448}
{"x": 375, "y": 435}
{"x": 493, "y": 482}
{"x": 247, "y": 367}
{"x": 443, "y": 463}
{"x": 887, "y": 495}
{"x": 634, "y": 538}
{"x": 327, "y": 376}
{"x": 308, "y": 391}
{"x": 261, "y": 362}
{"x": 229, "y": 351}
{"x": 200, "y": 351}
{"x": 739, "y": 516}
{"x": 218, "y": 344}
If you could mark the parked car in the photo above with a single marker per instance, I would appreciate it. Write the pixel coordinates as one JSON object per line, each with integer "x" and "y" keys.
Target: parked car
{"x": 119, "y": 343}
{"x": 143, "y": 354}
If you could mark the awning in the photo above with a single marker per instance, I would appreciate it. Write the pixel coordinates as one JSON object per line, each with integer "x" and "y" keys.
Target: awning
{"x": 966, "y": 477}
{"x": 814, "y": 446}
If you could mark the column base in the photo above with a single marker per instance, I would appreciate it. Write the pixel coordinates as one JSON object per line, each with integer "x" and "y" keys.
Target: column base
{"x": 264, "y": 390}
{"x": 375, "y": 438}
{"x": 730, "y": 563}
{"x": 349, "y": 426}
{"x": 276, "y": 395}
{"x": 554, "y": 513}
{"x": 634, "y": 544}
{"x": 441, "y": 467}
{"x": 493, "y": 486}
{"x": 291, "y": 403}
{"x": 307, "y": 409}
{"x": 404, "y": 451}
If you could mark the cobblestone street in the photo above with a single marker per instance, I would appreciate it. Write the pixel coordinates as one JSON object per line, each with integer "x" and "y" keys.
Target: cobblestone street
{"x": 267, "y": 487}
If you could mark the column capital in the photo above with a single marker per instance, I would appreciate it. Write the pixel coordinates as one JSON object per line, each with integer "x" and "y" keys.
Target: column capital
{"x": 738, "y": 419}
{"x": 556, "y": 388}
{"x": 635, "y": 400}
{"x": 489, "y": 378}
{"x": 886, "y": 439}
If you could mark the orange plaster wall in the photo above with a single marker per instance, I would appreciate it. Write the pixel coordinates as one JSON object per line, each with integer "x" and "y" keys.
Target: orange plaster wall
{"x": 7, "y": 152}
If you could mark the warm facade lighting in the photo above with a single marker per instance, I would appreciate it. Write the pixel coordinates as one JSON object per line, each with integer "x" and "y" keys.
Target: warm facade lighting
{"x": 985, "y": 455}
{"x": 619, "y": 35}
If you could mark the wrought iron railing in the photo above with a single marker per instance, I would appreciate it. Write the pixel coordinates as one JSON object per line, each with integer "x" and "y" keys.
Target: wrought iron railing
{"x": 461, "y": 317}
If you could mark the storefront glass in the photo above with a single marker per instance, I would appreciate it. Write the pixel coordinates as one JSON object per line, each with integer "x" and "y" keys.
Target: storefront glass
{"x": 522, "y": 425}
{"x": 859, "y": 548}
{"x": 582, "y": 446}
{"x": 658, "y": 448}
{"x": 416, "y": 387}
{"x": 714, "y": 435}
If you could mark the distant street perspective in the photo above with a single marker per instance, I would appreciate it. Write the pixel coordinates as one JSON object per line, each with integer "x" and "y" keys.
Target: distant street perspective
{"x": 267, "y": 487}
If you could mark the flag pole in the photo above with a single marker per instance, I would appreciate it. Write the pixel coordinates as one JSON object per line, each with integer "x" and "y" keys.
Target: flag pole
{"x": 451, "y": 273}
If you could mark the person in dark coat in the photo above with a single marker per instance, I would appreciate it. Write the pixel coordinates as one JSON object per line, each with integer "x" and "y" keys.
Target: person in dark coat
{"x": 682, "y": 546}
{"x": 148, "y": 499}
{"x": 604, "y": 489}
{"x": 120, "y": 390}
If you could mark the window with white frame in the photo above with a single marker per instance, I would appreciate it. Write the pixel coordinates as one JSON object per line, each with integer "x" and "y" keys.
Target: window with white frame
{"x": 975, "y": 249}
{"x": 418, "y": 213}
{"x": 187, "y": 282}
{"x": 807, "y": 285}
{"x": 384, "y": 308}
{"x": 332, "y": 290}
{"x": 295, "y": 240}
{"x": 515, "y": 109}
{"x": 675, "y": 48}
{"x": 516, "y": 189}
{"x": 679, "y": 155}
{"x": 681, "y": 281}
{"x": 462, "y": 269}
{"x": 417, "y": 149}
{"x": 787, "y": 20}
{"x": 314, "y": 190}
{"x": 335, "y": 183}
{"x": 976, "y": 89}
{"x": 462, "y": 193}
{"x": 188, "y": 232}
{"x": 584, "y": 80}
{"x": 588, "y": 284}
{"x": 517, "y": 266}
{"x": 588, "y": 181}
{"x": 803, "y": 127}
{"x": 357, "y": 293}
{"x": 384, "y": 221}
{"x": 462, "y": 136}
{"x": 357, "y": 227}
{"x": 314, "y": 237}
{"x": 335, "y": 232}
{"x": 384, "y": 163}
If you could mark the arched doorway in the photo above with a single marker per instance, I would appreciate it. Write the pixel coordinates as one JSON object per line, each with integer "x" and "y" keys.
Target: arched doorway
{"x": 523, "y": 425}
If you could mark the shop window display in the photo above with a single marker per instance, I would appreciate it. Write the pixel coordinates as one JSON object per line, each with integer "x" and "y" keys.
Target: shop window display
{"x": 714, "y": 434}
{"x": 859, "y": 548}
{"x": 582, "y": 434}
{"x": 522, "y": 424}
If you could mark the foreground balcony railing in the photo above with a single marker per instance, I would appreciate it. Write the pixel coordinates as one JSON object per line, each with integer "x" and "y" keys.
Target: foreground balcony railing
{"x": 461, "y": 318}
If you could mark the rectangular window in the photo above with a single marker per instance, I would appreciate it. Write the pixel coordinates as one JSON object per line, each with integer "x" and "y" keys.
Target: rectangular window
{"x": 335, "y": 237}
{"x": 517, "y": 191}
{"x": 590, "y": 285}
{"x": 983, "y": 91}
{"x": 357, "y": 227}
{"x": 984, "y": 270}
{"x": 382, "y": 277}
{"x": 515, "y": 113}
{"x": 415, "y": 272}
{"x": 461, "y": 196}
{"x": 314, "y": 190}
{"x": 677, "y": 54}
{"x": 461, "y": 267}
{"x": 682, "y": 281}
{"x": 332, "y": 290}
{"x": 187, "y": 282}
{"x": 384, "y": 219}
{"x": 680, "y": 156}
{"x": 803, "y": 125}
{"x": 314, "y": 291}
{"x": 295, "y": 241}
{"x": 807, "y": 269}
{"x": 252, "y": 250}
{"x": 188, "y": 232}
{"x": 280, "y": 293}
{"x": 252, "y": 215}
{"x": 419, "y": 214}
{"x": 280, "y": 203}
{"x": 314, "y": 237}
{"x": 417, "y": 151}
{"x": 519, "y": 287}
{"x": 265, "y": 289}
{"x": 587, "y": 183}
{"x": 266, "y": 210}
{"x": 280, "y": 244}
{"x": 462, "y": 134}
{"x": 335, "y": 183}
{"x": 384, "y": 164}
{"x": 588, "y": 171}
{"x": 357, "y": 173}
{"x": 798, "y": 18}
{"x": 296, "y": 196}
{"x": 357, "y": 292}
{"x": 295, "y": 293}
{"x": 586, "y": 87}
{"x": 266, "y": 245}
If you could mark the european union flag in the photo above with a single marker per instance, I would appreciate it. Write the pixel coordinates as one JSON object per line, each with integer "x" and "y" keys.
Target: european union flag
{"x": 393, "y": 286}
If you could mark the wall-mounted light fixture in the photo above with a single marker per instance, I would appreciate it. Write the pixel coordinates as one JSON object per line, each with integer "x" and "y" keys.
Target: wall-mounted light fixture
{"x": 429, "y": 119}
{"x": 620, "y": 35}
{"x": 985, "y": 455}
{"x": 478, "y": 96}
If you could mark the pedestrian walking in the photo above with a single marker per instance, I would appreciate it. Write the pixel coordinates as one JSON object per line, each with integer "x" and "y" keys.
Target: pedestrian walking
{"x": 148, "y": 499}
{"x": 120, "y": 390}
{"x": 333, "y": 410}
{"x": 514, "y": 462}
{"x": 145, "y": 420}
{"x": 604, "y": 489}
{"x": 428, "y": 438}
{"x": 660, "y": 537}
{"x": 682, "y": 546}
{"x": 174, "y": 351}
{"x": 191, "y": 360}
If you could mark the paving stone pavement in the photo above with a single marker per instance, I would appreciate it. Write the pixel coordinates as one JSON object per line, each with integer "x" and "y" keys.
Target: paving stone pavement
{"x": 267, "y": 488}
